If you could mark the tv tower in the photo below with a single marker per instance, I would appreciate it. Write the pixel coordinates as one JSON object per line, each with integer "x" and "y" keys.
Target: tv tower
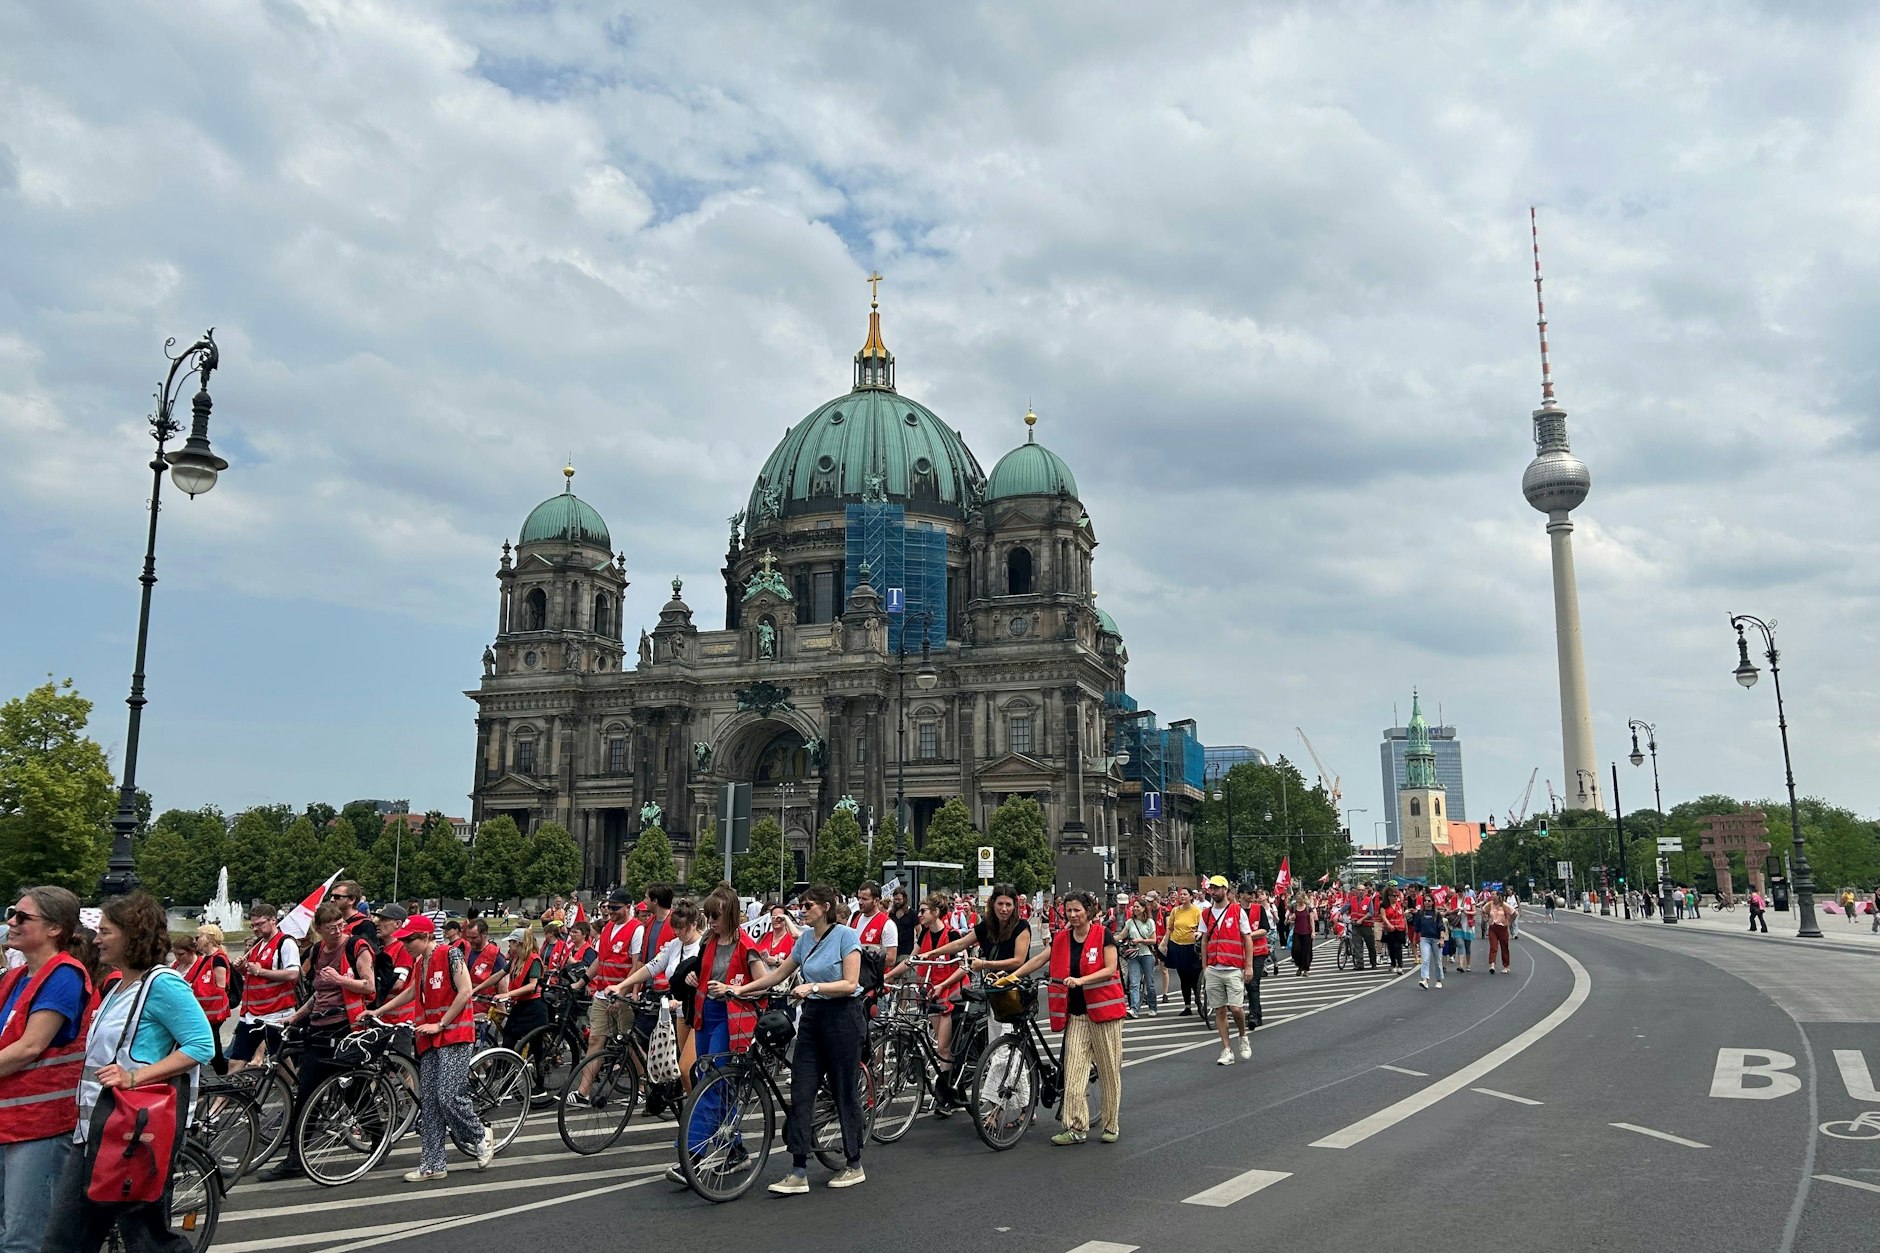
{"x": 1556, "y": 483}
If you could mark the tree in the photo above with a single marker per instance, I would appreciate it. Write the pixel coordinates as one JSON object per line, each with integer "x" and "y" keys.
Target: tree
{"x": 495, "y": 859}
{"x": 296, "y": 863}
{"x": 205, "y": 842}
{"x": 952, "y": 837}
{"x": 708, "y": 863}
{"x": 163, "y": 866}
{"x": 56, "y": 793}
{"x": 1020, "y": 849}
{"x": 367, "y": 823}
{"x": 554, "y": 863}
{"x": 250, "y": 849}
{"x": 840, "y": 859}
{"x": 439, "y": 867}
{"x": 340, "y": 850}
{"x": 755, "y": 871}
{"x": 649, "y": 862}
{"x": 321, "y": 815}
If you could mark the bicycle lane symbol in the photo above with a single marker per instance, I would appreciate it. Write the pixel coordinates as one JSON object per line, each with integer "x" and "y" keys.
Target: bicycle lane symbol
{"x": 1860, "y": 1127}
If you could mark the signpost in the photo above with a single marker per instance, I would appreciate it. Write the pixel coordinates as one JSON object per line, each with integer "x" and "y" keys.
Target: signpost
{"x": 1152, "y": 806}
{"x": 1670, "y": 844}
{"x": 895, "y": 601}
{"x": 1564, "y": 869}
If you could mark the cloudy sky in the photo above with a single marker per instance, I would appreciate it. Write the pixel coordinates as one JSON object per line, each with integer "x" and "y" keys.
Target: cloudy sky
{"x": 1263, "y": 271}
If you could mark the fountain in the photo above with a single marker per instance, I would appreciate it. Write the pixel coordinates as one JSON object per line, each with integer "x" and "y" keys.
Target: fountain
{"x": 221, "y": 911}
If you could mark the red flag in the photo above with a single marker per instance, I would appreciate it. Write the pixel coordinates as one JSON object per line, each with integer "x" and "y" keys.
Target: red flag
{"x": 1326, "y": 877}
{"x": 1283, "y": 880}
{"x": 300, "y": 918}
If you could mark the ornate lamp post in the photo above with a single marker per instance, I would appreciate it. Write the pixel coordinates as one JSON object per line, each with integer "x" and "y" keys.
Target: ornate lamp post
{"x": 1224, "y": 789}
{"x": 1637, "y": 758}
{"x": 193, "y": 468}
{"x": 925, "y": 678}
{"x": 1746, "y": 675}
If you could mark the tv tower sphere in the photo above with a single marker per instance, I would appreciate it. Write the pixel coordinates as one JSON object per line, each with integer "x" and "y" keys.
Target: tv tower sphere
{"x": 1556, "y": 481}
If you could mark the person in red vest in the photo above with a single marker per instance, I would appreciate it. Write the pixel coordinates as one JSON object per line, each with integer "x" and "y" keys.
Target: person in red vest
{"x": 269, "y": 971}
{"x": 1227, "y": 965}
{"x": 1086, "y": 1001}
{"x": 393, "y": 963}
{"x": 45, "y": 1006}
{"x": 440, "y": 990}
{"x": 208, "y": 979}
{"x": 613, "y": 962}
{"x": 338, "y": 974}
{"x": 1364, "y": 907}
{"x": 486, "y": 964}
{"x": 554, "y": 945}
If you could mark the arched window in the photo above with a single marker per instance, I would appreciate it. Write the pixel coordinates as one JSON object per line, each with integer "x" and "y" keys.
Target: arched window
{"x": 535, "y": 610}
{"x": 1416, "y": 807}
{"x": 603, "y": 615}
{"x": 1438, "y": 802}
{"x": 525, "y": 753}
{"x": 1018, "y": 572}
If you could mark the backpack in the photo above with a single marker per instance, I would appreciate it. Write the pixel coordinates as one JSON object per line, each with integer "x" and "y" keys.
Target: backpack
{"x": 384, "y": 976}
{"x": 236, "y": 984}
{"x": 874, "y": 969}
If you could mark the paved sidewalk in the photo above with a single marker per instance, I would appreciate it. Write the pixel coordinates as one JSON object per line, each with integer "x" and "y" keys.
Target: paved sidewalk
{"x": 1836, "y": 931}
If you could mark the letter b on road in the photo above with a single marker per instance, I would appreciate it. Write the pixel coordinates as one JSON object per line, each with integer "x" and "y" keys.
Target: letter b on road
{"x": 1753, "y": 1075}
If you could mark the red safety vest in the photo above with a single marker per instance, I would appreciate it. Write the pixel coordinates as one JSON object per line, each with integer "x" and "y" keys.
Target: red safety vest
{"x": 261, "y": 997}
{"x": 741, "y": 1013}
{"x": 214, "y": 1000}
{"x": 482, "y": 966}
{"x": 557, "y": 955}
{"x": 533, "y": 971}
{"x": 1103, "y": 1002}
{"x": 616, "y": 954}
{"x": 401, "y": 960}
{"x": 41, "y": 1099}
{"x": 653, "y": 936}
{"x": 436, "y": 991}
{"x": 350, "y": 947}
{"x": 1364, "y": 909}
{"x": 111, "y": 979}
{"x": 933, "y": 977}
{"x": 1256, "y": 918}
{"x": 1226, "y": 945}
{"x": 872, "y": 928}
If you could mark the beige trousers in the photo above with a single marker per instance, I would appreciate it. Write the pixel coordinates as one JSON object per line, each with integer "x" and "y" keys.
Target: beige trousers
{"x": 1085, "y": 1042}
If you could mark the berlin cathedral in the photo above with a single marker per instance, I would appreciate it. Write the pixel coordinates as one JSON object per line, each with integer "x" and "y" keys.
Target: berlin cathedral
{"x": 887, "y": 605}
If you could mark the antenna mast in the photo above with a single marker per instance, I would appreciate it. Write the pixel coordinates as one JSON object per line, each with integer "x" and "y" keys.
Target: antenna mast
{"x": 1540, "y": 306}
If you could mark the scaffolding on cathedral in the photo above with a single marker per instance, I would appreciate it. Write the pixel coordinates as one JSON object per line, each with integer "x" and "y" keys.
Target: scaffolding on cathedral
{"x": 912, "y": 558}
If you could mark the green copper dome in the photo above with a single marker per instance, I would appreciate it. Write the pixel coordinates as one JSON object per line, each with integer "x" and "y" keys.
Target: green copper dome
{"x": 1031, "y": 469}
{"x": 565, "y": 519}
{"x": 1107, "y": 623}
{"x": 871, "y": 443}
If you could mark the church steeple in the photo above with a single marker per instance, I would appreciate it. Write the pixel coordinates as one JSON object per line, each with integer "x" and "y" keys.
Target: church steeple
{"x": 1419, "y": 760}
{"x": 874, "y": 364}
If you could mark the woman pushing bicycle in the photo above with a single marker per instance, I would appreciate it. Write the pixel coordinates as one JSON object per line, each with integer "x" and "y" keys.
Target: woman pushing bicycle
{"x": 1087, "y": 1003}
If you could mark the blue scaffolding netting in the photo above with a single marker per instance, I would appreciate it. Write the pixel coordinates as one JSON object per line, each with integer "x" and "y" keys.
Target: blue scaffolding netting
{"x": 912, "y": 558}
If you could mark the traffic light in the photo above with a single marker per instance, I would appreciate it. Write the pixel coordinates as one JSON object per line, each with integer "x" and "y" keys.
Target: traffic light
{"x": 1621, "y": 880}
{"x": 1540, "y": 826}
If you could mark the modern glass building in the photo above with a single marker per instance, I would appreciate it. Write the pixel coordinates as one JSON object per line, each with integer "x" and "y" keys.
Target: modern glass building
{"x": 1224, "y": 757}
{"x": 1447, "y": 746}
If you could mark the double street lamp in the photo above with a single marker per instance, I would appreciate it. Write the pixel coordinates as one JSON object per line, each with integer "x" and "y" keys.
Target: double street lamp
{"x": 193, "y": 468}
{"x": 1746, "y": 673}
{"x": 926, "y": 678}
{"x": 1637, "y": 758}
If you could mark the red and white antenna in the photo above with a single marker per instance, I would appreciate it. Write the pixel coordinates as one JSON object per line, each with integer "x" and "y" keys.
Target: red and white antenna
{"x": 1547, "y": 375}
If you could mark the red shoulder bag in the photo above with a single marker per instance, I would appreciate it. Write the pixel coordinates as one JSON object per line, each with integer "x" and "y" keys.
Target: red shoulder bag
{"x": 133, "y": 1131}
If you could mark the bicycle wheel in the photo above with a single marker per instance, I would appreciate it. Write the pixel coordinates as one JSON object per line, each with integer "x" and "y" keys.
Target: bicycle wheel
{"x": 274, "y": 1112}
{"x": 727, "y": 1124}
{"x": 195, "y": 1196}
{"x": 228, "y": 1123}
{"x": 901, "y": 1086}
{"x": 588, "y": 1126}
{"x": 500, "y": 1090}
{"x": 345, "y": 1128}
{"x": 552, "y": 1052}
{"x": 1344, "y": 954}
{"x": 403, "y": 1072}
{"x": 1005, "y": 1094}
{"x": 826, "y": 1122}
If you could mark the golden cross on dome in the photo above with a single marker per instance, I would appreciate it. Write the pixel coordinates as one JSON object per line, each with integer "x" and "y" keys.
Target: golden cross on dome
{"x": 874, "y": 287}
{"x": 769, "y": 562}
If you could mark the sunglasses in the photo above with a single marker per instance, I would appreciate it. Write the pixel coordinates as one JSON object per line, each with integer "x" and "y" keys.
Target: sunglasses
{"x": 19, "y": 915}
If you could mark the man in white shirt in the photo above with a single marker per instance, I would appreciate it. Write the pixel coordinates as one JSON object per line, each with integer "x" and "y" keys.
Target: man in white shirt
{"x": 873, "y": 927}
{"x": 1227, "y": 948}
{"x": 270, "y": 972}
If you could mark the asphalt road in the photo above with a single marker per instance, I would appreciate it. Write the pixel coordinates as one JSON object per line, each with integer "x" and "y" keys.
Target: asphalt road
{"x": 1621, "y": 1088}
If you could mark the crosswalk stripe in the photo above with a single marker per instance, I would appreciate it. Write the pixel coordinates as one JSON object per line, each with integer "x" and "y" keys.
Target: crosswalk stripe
{"x": 484, "y": 1184}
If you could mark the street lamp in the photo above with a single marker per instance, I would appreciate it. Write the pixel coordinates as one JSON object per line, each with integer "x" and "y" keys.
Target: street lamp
{"x": 1637, "y": 758}
{"x": 193, "y": 468}
{"x": 1746, "y": 675}
{"x": 1583, "y": 776}
{"x": 925, "y": 678}
{"x": 1224, "y": 789}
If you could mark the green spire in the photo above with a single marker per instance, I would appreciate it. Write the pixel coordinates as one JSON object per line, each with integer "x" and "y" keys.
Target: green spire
{"x": 1419, "y": 760}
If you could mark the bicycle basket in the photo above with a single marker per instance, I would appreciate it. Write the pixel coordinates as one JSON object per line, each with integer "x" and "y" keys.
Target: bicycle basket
{"x": 361, "y": 1047}
{"x": 1013, "y": 1003}
{"x": 775, "y": 1028}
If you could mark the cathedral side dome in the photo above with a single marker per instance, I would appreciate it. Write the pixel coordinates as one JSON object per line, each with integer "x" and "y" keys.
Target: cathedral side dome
{"x": 565, "y": 519}
{"x": 1031, "y": 469}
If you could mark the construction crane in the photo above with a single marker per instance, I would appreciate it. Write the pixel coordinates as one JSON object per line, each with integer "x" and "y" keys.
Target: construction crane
{"x": 1519, "y": 812}
{"x": 1333, "y": 788}
{"x": 1553, "y": 798}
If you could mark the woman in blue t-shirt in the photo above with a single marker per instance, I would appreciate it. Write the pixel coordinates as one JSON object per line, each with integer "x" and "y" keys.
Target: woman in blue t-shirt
{"x": 829, "y": 1037}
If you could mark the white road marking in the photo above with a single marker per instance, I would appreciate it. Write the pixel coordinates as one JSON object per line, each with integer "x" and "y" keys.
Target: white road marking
{"x": 1852, "y": 1183}
{"x": 1239, "y": 1188}
{"x": 1388, "y": 1117}
{"x": 1663, "y": 1135}
{"x": 1506, "y": 1096}
{"x": 484, "y": 1184}
{"x": 449, "y": 1224}
{"x": 1730, "y": 1080}
{"x": 1105, "y": 1246}
{"x": 344, "y": 1236}
{"x": 1855, "y": 1076}
{"x": 1405, "y": 1070}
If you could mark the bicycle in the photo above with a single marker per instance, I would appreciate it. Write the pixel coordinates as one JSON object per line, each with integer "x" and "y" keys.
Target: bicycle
{"x": 228, "y": 1122}
{"x": 1350, "y": 952}
{"x": 741, "y": 1089}
{"x": 351, "y": 1117}
{"x": 1019, "y": 1072}
{"x": 555, "y": 1049}
{"x": 905, "y": 1063}
{"x": 196, "y": 1191}
{"x": 618, "y": 1070}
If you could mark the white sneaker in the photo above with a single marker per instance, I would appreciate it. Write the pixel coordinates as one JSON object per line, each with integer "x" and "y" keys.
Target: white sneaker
{"x": 486, "y": 1152}
{"x": 848, "y": 1178}
{"x": 1246, "y": 1049}
{"x": 1226, "y": 1058}
{"x": 421, "y": 1175}
{"x": 1439, "y": 983}
{"x": 1423, "y": 983}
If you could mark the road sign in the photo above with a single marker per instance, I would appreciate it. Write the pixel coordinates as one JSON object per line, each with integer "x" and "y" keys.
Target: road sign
{"x": 985, "y": 861}
{"x": 1670, "y": 844}
{"x": 1564, "y": 870}
{"x": 895, "y": 601}
{"x": 1152, "y": 805}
